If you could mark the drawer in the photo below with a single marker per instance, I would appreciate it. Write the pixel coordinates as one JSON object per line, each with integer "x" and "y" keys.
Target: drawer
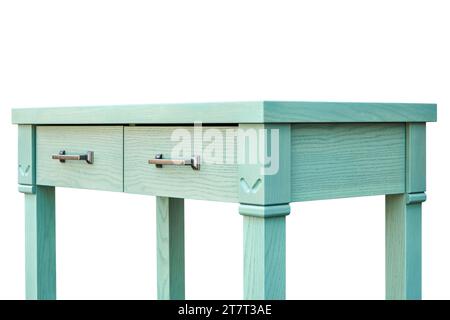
{"x": 214, "y": 181}
{"x": 106, "y": 143}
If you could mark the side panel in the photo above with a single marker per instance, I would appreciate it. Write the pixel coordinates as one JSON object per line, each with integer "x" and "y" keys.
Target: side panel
{"x": 347, "y": 160}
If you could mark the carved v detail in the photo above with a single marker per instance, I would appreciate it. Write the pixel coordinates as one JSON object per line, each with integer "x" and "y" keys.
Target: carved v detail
{"x": 24, "y": 172}
{"x": 253, "y": 189}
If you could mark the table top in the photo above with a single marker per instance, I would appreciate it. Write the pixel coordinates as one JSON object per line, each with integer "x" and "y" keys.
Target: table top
{"x": 230, "y": 112}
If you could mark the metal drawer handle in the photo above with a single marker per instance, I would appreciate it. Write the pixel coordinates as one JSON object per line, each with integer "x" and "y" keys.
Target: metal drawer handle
{"x": 62, "y": 156}
{"x": 194, "y": 162}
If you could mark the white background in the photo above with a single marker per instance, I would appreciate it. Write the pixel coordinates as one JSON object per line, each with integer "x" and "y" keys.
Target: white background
{"x": 60, "y": 53}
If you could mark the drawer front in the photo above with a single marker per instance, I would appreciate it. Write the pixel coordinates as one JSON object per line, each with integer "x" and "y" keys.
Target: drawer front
{"x": 106, "y": 171}
{"x": 214, "y": 181}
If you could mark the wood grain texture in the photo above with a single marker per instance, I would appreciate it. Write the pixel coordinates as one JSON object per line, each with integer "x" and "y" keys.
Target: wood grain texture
{"x": 170, "y": 248}
{"x": 40, "y": 254}
{"x": 264, "y": 258}
{"x": 404, "y": 222}
{"x": 292, "y": 111}
{"x": 217, "y": 182}
{"x": 347, "y": 160}
{"x": 106, "y": 173}
{"x": 185, "y": 113}
{"x": 261, "y": 183}
{"x": 27, "y": 154}
{"x": 416, "y": 157}
{"x": 403, "y": 248}
{"x": 230, "y": 112}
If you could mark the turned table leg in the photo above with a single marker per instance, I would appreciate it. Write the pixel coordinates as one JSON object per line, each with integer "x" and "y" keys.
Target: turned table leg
{"x": 170, "y": 248}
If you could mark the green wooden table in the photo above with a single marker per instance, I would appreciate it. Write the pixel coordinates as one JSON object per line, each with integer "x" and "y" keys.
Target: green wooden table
{"x": 262, "y": 155}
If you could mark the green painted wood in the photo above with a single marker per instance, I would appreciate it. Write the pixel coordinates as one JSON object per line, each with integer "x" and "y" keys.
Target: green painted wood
{"x": 269, "y": 211}
{"x": 327, "y": 150}
{"x": 291, "y": 111}
{"x": 415, "y": 197}
{"x": 214, "y": 181}
{"x": 184, "y": 113}
{"x": 40, "y": 254}
{"x": 264, "y": 257}
{"x": 264, "y": 191}
{"x": 347, "y": 160}
{"x": 26, "y": 156}
{"x": 170, "y": 251}
{"x": 24, "y": 188}
{"x": 403, "y": 248}
{"x": 106, "y": 173}
{"x": 403, "y": 222}
{"x": 230, "y": 112}
{"x": 416, "y": 157}
{"x": 260, "y": 182}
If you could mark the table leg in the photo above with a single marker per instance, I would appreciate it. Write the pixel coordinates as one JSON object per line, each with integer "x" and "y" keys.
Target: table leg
{"x": 404, "y": 222}
{"x": 40, "y": 253}
{"x": 170, "y": 248}
{"x": 404, "y": 246}
{"x": 264, "y": 251}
